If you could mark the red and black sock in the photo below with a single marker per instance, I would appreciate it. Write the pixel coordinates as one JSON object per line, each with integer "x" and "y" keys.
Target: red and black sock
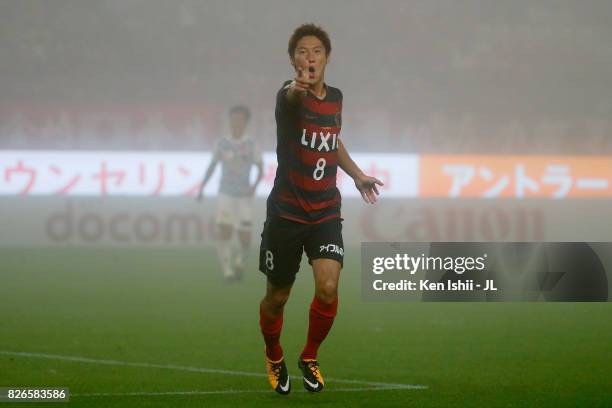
{"x": 271, "y": 329}
{"x": 320, "y": 322}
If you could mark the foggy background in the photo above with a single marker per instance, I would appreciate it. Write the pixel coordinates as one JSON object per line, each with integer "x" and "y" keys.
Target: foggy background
{"x": 418, "y": 76}
{"x": 140, "y": 77}
{"x": 109, "y": 111}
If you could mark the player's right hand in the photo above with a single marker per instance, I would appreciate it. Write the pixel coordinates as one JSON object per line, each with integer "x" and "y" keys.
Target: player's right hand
{"x": 302, "y": 81}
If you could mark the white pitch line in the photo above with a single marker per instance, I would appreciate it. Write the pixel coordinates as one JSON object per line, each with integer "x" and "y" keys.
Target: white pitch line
{"x": 377, "y": 385}
{"x": 165, "y": 393}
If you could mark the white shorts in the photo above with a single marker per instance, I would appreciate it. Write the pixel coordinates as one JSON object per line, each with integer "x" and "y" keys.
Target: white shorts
{"x": 235, "y": 211}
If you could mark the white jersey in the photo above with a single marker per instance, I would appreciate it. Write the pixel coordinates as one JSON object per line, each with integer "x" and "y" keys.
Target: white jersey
{"x": 236, "y": 156}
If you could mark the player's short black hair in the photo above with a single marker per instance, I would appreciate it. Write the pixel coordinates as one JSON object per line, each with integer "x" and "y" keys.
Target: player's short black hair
{"x": 305, "y": 30}
{"x": 241, "y": 109}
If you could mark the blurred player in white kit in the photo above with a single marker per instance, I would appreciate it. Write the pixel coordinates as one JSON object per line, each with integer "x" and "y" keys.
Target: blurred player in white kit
{"x": 237, "y": 154}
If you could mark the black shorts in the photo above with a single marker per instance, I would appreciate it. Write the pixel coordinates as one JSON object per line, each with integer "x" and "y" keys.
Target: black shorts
{"x": 283, "y": 241}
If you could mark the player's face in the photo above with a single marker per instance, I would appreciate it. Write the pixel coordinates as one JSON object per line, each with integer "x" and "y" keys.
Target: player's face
{"x": 238, "y": 122}
{"x": 310, "y": 54}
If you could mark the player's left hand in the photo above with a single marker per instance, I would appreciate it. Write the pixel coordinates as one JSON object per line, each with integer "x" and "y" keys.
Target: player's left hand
{"x": 367, "y": 187}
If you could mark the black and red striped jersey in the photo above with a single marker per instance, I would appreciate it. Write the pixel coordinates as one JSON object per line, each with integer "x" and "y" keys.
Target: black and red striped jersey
{"x": 307, "y": 136}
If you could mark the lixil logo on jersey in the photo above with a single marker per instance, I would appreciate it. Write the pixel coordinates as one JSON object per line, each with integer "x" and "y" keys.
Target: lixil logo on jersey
{"x": 327, "y": 141}
{"x": 332, "y": 248}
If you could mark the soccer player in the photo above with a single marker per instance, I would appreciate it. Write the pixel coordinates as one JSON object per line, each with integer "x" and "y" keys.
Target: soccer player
{"x": 237, "y": 154}
{"x": 303, "y": 208}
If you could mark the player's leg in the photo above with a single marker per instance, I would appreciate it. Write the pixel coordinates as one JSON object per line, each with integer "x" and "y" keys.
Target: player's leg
{"x": 279, "y": 259}
{"x": 244, "y": 234}
{"x": 242, "y": 252}
{"x": 225, "y": 227}
{"x": 224, "y": 249}
{"x": 325, "y": 250}
{"x": 271, "y": 310}
{"x": 324, "y": 304}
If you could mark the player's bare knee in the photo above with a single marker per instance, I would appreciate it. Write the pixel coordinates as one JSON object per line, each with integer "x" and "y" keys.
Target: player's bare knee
{"x": 277, "y": 297}
{"x": 275, "y": 304}
{"x": 280, "y": 298}
{"x": 327, "y": 291}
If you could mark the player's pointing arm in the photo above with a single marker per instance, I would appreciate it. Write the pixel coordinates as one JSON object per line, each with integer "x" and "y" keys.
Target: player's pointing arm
{"x": 299, "y": 86}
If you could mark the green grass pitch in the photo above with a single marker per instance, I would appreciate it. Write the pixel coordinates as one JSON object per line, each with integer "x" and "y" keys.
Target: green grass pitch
{"x": 158, "y": 328}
